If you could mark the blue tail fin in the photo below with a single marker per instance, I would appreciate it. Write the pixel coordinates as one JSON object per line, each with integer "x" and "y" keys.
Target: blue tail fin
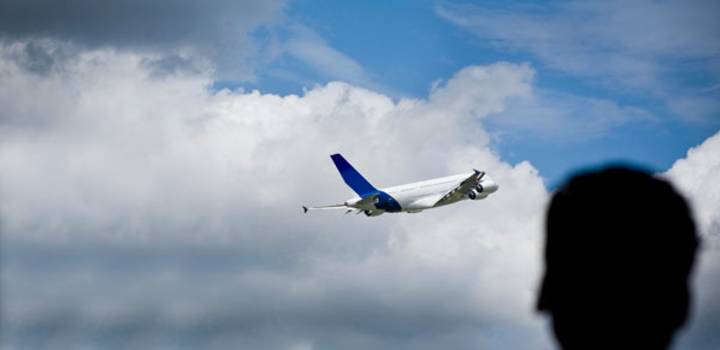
{"x": 352, "y": 177}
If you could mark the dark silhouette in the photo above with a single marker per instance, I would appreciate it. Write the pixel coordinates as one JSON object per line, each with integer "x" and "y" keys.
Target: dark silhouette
{"x": 619, "y": 250}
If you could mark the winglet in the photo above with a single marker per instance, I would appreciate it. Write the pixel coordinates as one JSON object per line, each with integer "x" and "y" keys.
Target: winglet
{"x": 352, "y": 177}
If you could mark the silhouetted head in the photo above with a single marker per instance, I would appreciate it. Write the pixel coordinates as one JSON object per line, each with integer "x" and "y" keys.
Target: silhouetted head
{"x": 620, "y": 246}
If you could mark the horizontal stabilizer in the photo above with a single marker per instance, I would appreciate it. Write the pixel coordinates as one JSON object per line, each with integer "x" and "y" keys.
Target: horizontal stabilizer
{"x": 324, "y": 207}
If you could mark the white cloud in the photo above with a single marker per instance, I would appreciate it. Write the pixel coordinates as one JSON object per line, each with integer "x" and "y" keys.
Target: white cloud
{"x": 169, "y": 215}
{"x": 140, "y": 210}
{"x": 696, "y": 176}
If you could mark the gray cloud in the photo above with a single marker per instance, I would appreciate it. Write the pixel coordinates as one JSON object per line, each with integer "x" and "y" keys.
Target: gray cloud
{"x": 185, "y": 297}
{"x": 171, "y": 64}
{"x": 39, "y": 56}
{"x": 134, "y": 23}
{"x": 37, "y": 59}
{"x": 234, "y": 38}
{"x": 218, "y": 30}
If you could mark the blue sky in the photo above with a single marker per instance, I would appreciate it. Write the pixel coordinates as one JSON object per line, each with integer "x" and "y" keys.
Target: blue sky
{"x": 403, "y": 47}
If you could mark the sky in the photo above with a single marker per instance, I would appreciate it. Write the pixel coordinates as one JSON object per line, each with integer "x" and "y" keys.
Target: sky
{"x": 154, "y": 157}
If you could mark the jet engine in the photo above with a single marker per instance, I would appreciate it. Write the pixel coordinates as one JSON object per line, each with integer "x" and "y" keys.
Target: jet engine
{"x": 477, "y": 193}
{"x": 373, "y": 212}
{"x": 473, "y": 194}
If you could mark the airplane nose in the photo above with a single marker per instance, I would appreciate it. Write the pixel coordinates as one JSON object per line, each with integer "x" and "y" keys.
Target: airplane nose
{"x": 491, "y": 186}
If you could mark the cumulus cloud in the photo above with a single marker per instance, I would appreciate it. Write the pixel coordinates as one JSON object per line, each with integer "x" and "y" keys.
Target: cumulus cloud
{"x": 696, "y": 176}
{"x": 143, "y": 209}
{"x": 140, "y": 208}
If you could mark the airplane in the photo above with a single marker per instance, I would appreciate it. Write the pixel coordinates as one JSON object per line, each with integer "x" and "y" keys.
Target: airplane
{"x": 411, "y": 198}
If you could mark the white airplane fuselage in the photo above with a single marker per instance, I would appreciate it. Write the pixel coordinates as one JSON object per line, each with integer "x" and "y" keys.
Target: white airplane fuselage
{"x": 418, "y": 196}
{"x": 411, "y": 198}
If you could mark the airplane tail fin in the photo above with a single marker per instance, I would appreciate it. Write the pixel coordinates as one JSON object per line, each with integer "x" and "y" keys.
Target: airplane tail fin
{"x": 352, "y": 177}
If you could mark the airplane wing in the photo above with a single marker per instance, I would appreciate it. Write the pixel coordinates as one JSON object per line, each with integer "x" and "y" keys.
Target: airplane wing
{"x": 462, "y": 188}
